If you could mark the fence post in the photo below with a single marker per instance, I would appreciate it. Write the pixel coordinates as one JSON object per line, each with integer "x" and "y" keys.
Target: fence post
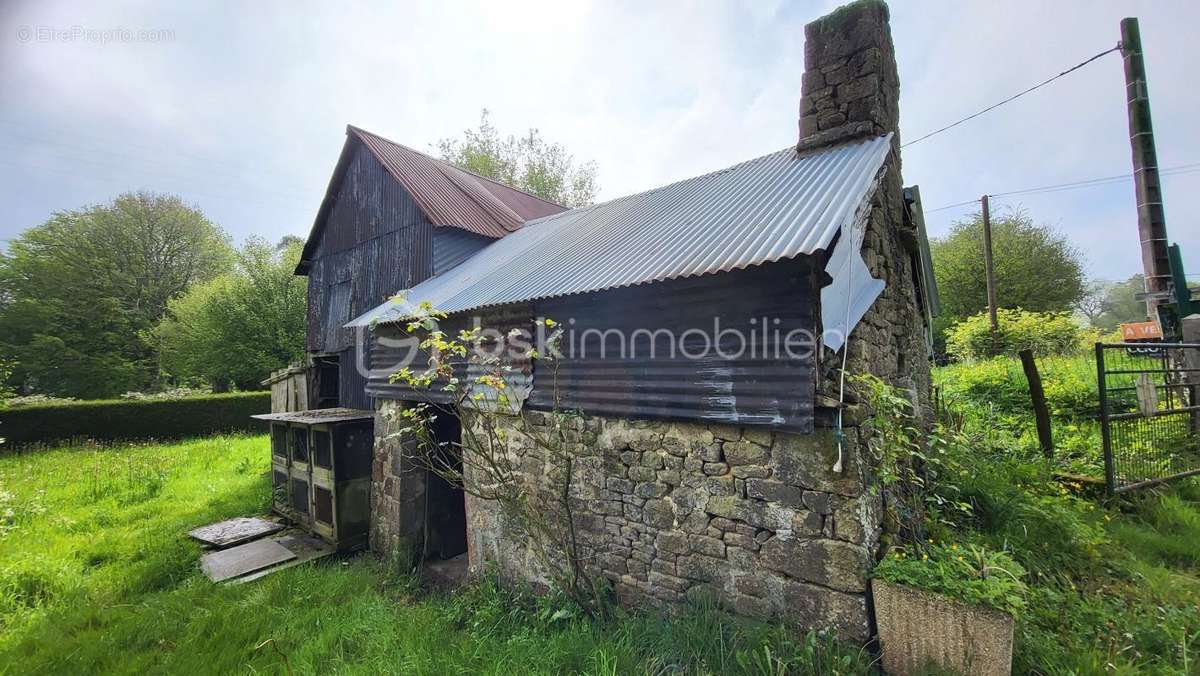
{"x": 1041, "y": 414}
{"x": 1110, "y": 476}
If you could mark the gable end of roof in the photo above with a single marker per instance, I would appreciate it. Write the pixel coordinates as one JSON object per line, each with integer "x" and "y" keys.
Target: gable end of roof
{"x": 448, "y": 195}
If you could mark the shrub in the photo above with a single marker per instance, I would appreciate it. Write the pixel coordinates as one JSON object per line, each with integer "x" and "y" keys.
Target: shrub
{"x": 1046, "y": 333}
{"x": 1069, "y": 384}
{"x": 174, "y": 393}
{"x": 134, "y": 419}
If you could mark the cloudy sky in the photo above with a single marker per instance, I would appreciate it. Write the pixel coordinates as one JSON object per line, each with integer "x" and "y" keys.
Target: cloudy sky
{"x": 241, "y": 107}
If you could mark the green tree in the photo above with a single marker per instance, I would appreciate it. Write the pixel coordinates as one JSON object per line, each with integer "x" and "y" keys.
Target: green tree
{"x": 287, "y": 241}
{"x": 1036, "y": 268}
{"x": 528, "y": 162}
{"x": 77, "y": 292}
{"x": 1108, "y": 305}
{"x": 238, "y": 327}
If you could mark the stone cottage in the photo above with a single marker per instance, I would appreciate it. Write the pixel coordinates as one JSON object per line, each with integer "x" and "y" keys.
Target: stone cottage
{"x": 736, "y": 475}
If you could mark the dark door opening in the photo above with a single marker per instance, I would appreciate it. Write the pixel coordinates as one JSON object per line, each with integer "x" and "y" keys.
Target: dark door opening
{"x": 445, "y": 506}
{"x": 326, "y": 388}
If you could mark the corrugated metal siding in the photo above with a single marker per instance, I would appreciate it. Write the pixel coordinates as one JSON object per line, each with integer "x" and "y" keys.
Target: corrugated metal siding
{"x": 778, "y": 206}
{"x": 452, "y": 246}
{"x": 352, "y": 383}
{"x": 377, "y": 241}
{"x": 453, "y": 197}
{"x": 762, "y": 386}
{"x": 765, "y": 387}
{"x": 387, "y": 356}
{"x": 446, "y": 195}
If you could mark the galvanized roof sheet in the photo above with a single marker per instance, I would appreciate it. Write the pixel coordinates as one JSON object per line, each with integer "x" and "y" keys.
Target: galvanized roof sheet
{"x": 777, "y": 206}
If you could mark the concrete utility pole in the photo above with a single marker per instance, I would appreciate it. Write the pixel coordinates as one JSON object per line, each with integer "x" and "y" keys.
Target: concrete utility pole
{"x": 1152, "y": 223}
{"x": 988, "y": 270}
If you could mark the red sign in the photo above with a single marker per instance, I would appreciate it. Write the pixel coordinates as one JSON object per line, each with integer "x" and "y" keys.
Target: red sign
{"x": 1136, "y": 331}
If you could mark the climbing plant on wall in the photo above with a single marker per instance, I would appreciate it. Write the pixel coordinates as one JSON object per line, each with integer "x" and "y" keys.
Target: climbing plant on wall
{"x": 526, "y": 470}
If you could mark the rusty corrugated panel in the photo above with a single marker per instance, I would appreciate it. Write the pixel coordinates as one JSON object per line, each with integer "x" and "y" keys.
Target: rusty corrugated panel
{"x": 377, "y": 240}
{"x": 392, "y": 349}
{"x": 527, "y": 206}
{"x": 453, "y": 197}
{"x": 778, "y": 206}
{"x": 737, "y": 380}
{"x": 756, "y": 382}
{"x": 444, "y": 194}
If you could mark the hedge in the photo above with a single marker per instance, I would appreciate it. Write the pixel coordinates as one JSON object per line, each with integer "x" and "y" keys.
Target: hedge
{"x": 123, "y": 419}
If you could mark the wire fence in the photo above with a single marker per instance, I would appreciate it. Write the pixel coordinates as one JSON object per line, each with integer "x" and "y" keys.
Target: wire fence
{"x": 1150, "y": 420}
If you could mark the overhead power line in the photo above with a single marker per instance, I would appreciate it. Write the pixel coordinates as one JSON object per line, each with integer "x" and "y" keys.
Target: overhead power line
{"x": 1178, "y": 170}
{"x": 1107, "y": 180}
{"x": 1013, "y": 97}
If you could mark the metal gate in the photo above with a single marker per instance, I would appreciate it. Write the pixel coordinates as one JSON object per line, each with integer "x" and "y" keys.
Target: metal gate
{"x": 1149, "y": 412}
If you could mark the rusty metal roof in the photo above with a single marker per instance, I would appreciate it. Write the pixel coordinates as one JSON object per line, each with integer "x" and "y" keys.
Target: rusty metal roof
{"x": 777, "y": 206}
{"x": 448, "y": 196}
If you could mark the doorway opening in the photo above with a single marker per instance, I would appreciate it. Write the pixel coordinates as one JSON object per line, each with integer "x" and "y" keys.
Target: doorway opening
{"x": 326, "y": 386}
{"x": 445, "y": 503}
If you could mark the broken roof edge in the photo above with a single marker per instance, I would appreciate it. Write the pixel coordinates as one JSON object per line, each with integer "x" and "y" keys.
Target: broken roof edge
{"x": 880, "y": 148}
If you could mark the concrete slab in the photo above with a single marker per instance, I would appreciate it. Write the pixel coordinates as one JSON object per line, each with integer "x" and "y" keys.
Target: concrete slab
{"x": 235, "y": 531}
{"x": 243, "y": 559}
{"x": 305, "y": 547}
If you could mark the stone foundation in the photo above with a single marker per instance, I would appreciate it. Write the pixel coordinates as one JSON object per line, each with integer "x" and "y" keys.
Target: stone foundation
{"x": 670, "y": 512}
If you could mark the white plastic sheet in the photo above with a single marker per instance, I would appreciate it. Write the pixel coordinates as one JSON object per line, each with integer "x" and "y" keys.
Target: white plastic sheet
{"x": 848, "y": 297}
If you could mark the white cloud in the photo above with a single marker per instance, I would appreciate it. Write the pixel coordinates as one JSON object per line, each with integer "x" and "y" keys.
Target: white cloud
{"x": 243, "y": 112}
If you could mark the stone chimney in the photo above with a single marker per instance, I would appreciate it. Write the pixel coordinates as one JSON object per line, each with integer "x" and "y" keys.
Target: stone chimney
{"x": 851, "y": 90}
{"x": 850, "y": 85}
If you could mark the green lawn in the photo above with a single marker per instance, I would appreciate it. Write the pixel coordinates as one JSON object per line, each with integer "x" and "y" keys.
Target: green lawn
{"x": 97, "y": 575}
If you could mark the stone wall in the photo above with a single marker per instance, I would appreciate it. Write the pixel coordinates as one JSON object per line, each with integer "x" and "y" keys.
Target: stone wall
{"x": 670, "y": 512}
{"x": 397, "y": 488}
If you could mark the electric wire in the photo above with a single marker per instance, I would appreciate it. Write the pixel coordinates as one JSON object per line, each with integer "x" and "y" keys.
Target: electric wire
{"x": 1178, "y": 170}
{"x": 1011, "y": 98}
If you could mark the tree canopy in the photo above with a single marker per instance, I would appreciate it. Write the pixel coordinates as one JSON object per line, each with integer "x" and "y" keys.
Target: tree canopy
{"x": 78, "y": 292}
{"x": 528, "y": 162}
{"x": 238, "y": 327}
{"x": 1036, "y": 268}
{"x": 1108, "y": 305}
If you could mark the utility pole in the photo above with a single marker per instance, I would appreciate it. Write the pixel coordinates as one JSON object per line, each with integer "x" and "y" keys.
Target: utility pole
{"x": 1152, "y": 223}
{"x": 989, "y": 271}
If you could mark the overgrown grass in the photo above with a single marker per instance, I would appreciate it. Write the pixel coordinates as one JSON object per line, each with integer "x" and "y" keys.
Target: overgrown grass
{"x": 993, "y": 396}
{"x": 1114, "y": 584}
{"x": 98, "y": 576}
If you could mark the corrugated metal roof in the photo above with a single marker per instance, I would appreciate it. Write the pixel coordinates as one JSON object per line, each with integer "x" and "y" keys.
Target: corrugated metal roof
{"x": 777, "y": 206}
{"x": 450, "y": 196}
{"x": 447, "y": 195}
